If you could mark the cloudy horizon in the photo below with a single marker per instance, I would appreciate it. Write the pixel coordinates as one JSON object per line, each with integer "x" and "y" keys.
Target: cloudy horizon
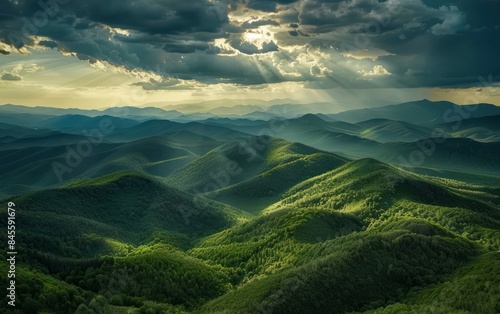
{"x": 354, "y": 53}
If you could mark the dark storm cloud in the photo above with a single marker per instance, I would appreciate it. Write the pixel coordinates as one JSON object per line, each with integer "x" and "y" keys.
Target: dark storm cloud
{"x": 155, "y": 16}
{"x": 11, "y": 77}
{"x": 148, "y": 16}
{"x": 446, "y": 60}
{"x": 171, "y": 43}
{"x": 211, "y": 69}
{"x": 430, "y": 43}
{"x": 155, "y": 28}
{"x": 267, "y": 5}
{"x": 426, "y": 43}
{"x": 355, "y": 16}
{"x": 249, "y": 48}
{"x": 188, "y": 18}
{"x": 48, "y": 43}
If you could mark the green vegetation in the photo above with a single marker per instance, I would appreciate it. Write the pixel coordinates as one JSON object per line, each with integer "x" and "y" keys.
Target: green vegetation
{"x": 204, "y": 219}
{"x": 33, "y": 167}
{"x": 254, "y": 173}
{"x": 473, "y": 288}
{"x": 364, "y": 236}
{"x": 262, "y": 190}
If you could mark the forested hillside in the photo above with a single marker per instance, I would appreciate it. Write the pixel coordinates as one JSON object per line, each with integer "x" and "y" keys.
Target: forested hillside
{"x": 363, "y": 237}
{"x": 213, "y": 217}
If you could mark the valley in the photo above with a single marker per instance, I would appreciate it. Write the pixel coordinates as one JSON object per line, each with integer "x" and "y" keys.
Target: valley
{"x": 310, "y": 213}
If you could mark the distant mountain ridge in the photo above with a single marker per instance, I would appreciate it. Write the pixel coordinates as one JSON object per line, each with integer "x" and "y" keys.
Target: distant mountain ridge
{"x": 422, "y": 111}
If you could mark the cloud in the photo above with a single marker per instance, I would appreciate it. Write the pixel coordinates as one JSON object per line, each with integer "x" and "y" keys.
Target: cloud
{"x": 30, "y": 68}
{"x": 256, "y": 24}
{"x": 11, "y": 77}
{"x": 165, "y": 84}
{"x": 20, "y": 70}
{"x": 198, "y": 20}
{"x": 378, "y": 17}
{"x": 267, "y": 5}
{"x": 252, "y": 48}
{"x": 377, "y": 70}
{"x": 47, "y": 43}
{"x": 454, "y": 22}
{"x": 155, "y": 16}
{"x": 417, "y": 42}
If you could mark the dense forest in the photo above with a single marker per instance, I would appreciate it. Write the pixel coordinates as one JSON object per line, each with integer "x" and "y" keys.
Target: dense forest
{"x": 180, "y": 218}
{"x": 364, "y": 237}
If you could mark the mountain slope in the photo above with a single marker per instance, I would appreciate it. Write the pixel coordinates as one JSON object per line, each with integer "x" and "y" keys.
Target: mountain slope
{"x": 28, "y": 168}
{"x": 383, "y": 130}
{"x": 124, "y": 206}
{"x": 16, "y": 131}
{"x": 165, "y": 127}
{"x": 364, "y": 236}
{"x": 484, "y": 129}
{"x": 458, "y": 154}
{"x": 166, "y": 217}
{"x": 46, "y": 140}
{"x": 236, "y": 162}
{"x": 396, "y": 142}
{"x": 78, "y": 123}
{"x": 260, "y": 191}
{"x": 365, "y": 224}
{"x": 419, "y": 112}
{"x": 473, "y": 288}
{"x": 120, "y": 234}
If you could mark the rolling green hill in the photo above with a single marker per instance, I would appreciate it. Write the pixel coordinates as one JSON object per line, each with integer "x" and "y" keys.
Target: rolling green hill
{"x": 484, "y": 129}
{"x": 394, "y": 142}
{"x": 368, "y": 188}
{"x": 473, "y": 288}
{"x": 127, "y": 206}
{"x": 362, "y": 237}
{"x": 46, "y": 140}
{"x": 258, "y": 192}
{"x": 29, "y": 168}
{"x": 68, "y": 232}
{"x": 165, "y": 127}
{"x": 353, "y": 273}
{"x": 489, "y": 122}
{"x": 383, "y": 131}
{"x": 364, "y": 224}
{"x": 77, "y": 123}
{"x": 235, "y": 162}
{"x": 212, "y": 217}
{"x": 389, "y": 140}
{"x": 16, "y": 131}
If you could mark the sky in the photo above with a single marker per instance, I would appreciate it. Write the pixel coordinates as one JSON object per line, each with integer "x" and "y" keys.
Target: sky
{"x": 351, "y": 53}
